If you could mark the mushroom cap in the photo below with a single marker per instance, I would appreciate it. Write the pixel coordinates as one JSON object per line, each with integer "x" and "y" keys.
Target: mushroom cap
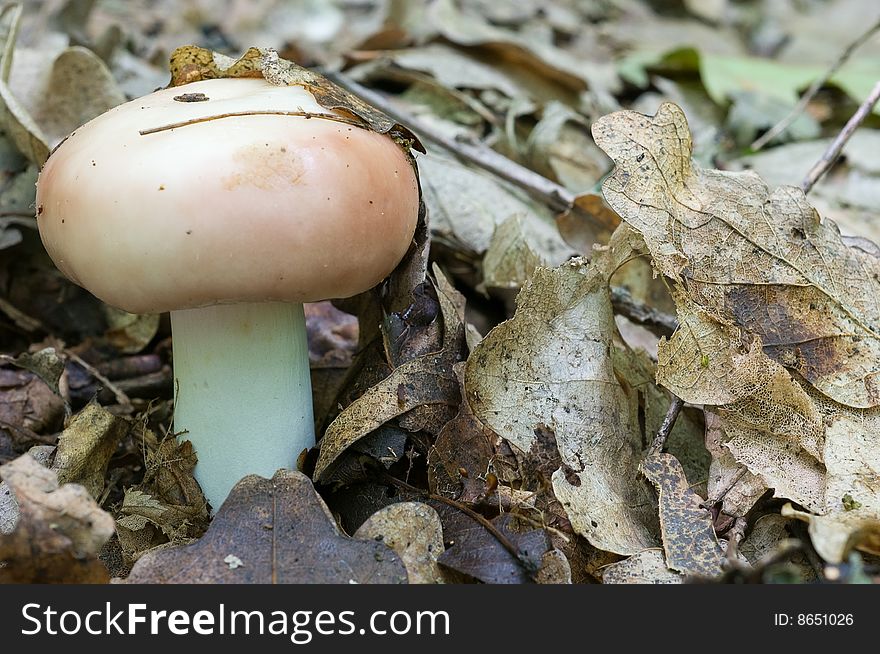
{"x": 232, "y": 209}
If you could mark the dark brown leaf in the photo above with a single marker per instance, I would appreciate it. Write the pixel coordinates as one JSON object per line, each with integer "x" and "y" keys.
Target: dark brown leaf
{"x": 275, "y": 531}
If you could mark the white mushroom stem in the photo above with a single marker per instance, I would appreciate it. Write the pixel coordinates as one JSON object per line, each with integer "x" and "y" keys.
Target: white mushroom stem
{"x": 242, "y": 390}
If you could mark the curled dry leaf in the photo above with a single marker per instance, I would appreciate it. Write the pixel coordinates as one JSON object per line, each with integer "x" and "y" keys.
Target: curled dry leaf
{"x": 167, "y": 506}
{"x": 551, "y": 366}
{"x": 191, "y": 64}
{"x": 59, "y": 532}
{"x": 760, "y": 260}
{"x": 413, "y": 387}
{"x": 282, "y": 533}
{"x": 413, "y": 530}
{"x": 778, "y": 321}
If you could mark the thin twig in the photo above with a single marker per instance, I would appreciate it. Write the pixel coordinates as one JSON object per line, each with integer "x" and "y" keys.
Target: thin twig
{"x": 667, "y": 425}
{"x": 120, "y": 396}
{"x": 783, "y": 124}
{"x": 833, "y": 151}
{"x": 505, "y": 542}
{"x": 549, "y": 192}
{"x": 261, "y": 112}
{"x": 658, "y": 322}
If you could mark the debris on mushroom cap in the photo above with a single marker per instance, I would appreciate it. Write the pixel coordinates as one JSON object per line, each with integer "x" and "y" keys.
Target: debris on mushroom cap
{"x": 258, "y": 193}
{"x": 191, "y": 64}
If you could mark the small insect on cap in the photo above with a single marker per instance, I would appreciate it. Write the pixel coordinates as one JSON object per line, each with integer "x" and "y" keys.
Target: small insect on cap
{"x": 225, "y": 191}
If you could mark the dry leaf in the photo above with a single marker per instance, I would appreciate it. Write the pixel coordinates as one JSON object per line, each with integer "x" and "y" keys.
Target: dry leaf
{"x": 551, "y": 365}
{"x": 646, "y": 567}
{"x": 167, "y": 506}
{"x": 749, "y": 257}
{"x": 473, "y": 550}
{"x": 413, "y": 530}
{"x": 412, "y": 387}
{"x": 688, "y": 535}
{"x": 283, "y": 533}
{"x": 59, "y": 532}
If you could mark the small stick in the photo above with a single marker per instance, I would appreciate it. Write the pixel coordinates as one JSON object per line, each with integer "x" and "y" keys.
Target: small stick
{"x": 262, "y": 112}
{"x": 833, "y": 151}
{"x": 120, "y": 396}
{"x": 783, "y": 124}
{"x": 552, "y": 194}
{"x": 658, "y": 322}
{"x": 666, "y": 426}
{"x": 503, "y": 540}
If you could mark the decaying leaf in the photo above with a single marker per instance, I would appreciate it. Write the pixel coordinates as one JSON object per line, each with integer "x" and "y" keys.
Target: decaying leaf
{"x": 59, "y": 532}
{"x": 85, "y": 447}
{"x": 46, "y": 363}
{"x": 473, "y": 550}
{"x": 412, "y": 387}
{"x": 646, "y": 567}
{"x": 777, "y": 324}
{"x": 191, "y": 64}
{"x": 282, "y": 532}
{"x": 749, "y": 257}
{"x": 551, "y": 365}
{"x": 413, "y": 530}
{"x": 167, "y": 506}
{"x": 688, "y": 535}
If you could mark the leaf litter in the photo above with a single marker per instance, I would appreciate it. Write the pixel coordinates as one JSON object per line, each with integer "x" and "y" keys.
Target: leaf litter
{"x": 492, "y": 371}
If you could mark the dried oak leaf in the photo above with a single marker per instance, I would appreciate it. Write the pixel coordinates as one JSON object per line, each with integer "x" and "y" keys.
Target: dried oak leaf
{"x": 759, "y": 260}
{"x": 414, "y": 531}
{"x": 688, "y": 535}
{"x": 551, "y": 365}
{"x": 272, "y": 531}
{"x": 59, "y": 531}
{"x": 191, "y": 64}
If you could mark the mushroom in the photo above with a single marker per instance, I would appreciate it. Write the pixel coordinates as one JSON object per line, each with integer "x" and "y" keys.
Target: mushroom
{"x": 229, "y": 203}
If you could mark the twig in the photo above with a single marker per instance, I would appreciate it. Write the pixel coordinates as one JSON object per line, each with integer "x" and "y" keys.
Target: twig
{"x": 261, "y": 112}
{"x": 833, "y": 151}
{"x": 120, "y": 396}
{"x": 783, "y": 124}
{"x": 667, "y": 425}
{"x": 658, "y": 322}
{"x": 549, "y": 192}
{"x": 505, "y": 542}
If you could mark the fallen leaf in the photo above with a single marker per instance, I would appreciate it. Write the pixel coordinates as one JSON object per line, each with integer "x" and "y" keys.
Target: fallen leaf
{"x": 551, "y": 365}
{"x": 645, "y": 567}
{"x": 283, "y": 533}
{"x": 474, "y": 551}
{"x": 59, "y": 532}
{"x": 167, "y": 506}
{"x": 688, "y": 535}
{"x": 412, "y": 387}
{"x": 413, "y": 530}
{"x": 757, "y": 259}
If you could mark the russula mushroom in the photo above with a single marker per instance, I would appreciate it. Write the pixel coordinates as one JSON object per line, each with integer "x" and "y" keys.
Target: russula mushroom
{"x": 229, "y": 203}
